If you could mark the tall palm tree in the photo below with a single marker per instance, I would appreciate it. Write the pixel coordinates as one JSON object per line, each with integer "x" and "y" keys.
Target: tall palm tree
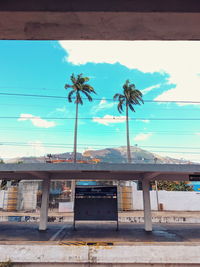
{"x": 79, "y": 87}
{"x": 130, "y": 97}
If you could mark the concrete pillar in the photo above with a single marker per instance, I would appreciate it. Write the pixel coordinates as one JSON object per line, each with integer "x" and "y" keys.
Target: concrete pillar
{"x": 147, "y": 206}
{"x": 44, "y": 204}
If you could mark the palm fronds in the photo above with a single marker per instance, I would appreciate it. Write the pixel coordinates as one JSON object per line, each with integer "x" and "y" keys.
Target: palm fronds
{"x": 79, "y": 86}
{"x": 130, "y": 97}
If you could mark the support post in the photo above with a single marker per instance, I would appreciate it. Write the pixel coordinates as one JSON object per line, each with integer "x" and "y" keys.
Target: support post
{"x": 44, "y": 204}
{"x": 147, "y": 206}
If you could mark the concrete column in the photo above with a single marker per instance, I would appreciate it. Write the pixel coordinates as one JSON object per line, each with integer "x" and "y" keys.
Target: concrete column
{"x": 44, "y": 204}
{"x": 147, "y": 206}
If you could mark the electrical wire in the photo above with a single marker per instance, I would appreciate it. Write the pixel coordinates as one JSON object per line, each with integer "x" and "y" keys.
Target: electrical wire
{"x": 99, "y": 118}
{"x": 98, "y": 99}
{"x": 98, "y": 145}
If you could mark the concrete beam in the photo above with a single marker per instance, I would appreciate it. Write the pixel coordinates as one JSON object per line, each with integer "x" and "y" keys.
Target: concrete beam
{"x": 107, "y": 6}
{"x": 147, "y": 206}
{"x": 99, "y": 25}
{"x": 102, "y": 167}
{"x": 44, "y": 205}
{"x": 17, "y": 176}
{"x": 95, "y": 176}
{"x": 39, "y": 175}
{"x": 172, "y": 177}
{"x": 151, "y": 175}
{"x": 98, "y": 171}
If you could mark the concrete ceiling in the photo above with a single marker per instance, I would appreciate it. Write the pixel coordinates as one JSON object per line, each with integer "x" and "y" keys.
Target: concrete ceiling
{"x": 103, "y": 171}
{"x": 100, "y": 20}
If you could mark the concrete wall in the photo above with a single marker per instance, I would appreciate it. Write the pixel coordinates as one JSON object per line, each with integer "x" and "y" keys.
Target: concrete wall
{"x": 100, "y": 20}
{"x": 27, "y": 195}
{"x": 2, "y": 193}
{"x": 149, "y": 254}
{"x": 171, "y": 200}
{"x": 26, "y": 198}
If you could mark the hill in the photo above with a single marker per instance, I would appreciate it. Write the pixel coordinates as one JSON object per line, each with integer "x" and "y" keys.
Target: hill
{"x": 112, "y": 155}
{"x": 118, "y": 155}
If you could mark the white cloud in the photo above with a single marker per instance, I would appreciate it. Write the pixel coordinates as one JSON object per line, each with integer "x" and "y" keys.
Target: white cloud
{"x": 180, "y": 59}
{"x": 103, "y": 104}
{"x": 142, "y": 136}
{"x": 61, "y": 109}
{"x": 145, "y": 121}
{"x": 197, "y": 133}
{"x": 109, "y": 119}
{"x": 37, "y": 121}
{"x": 148, "y": 89}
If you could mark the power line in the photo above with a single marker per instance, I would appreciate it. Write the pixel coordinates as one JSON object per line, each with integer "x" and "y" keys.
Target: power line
{"x": 64, "y": 147}
{"x": 169, "y": 147}
{"x": 99, "y": 99}
{"x": 104, "y": 131}
{"x": 15, "y": 144}
{"x": 98, "y": 118}
{"x": 100, "y": 134}
{"x": 176, "y": 152}
{"x": 71, "y": 146}
{"x": 66, "y": 131}
{"x": 99, "y": 145}
{"x": 50, "y": 106}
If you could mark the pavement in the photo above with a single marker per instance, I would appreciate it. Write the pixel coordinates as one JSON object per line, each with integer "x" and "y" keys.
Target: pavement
{"x": 98, "y": 243}
{"x": 131, "y": 228}
{"x": 90, "y": 232}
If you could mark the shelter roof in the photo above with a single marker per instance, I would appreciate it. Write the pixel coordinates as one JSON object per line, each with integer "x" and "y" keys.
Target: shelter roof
{"x": 101, "y": 171}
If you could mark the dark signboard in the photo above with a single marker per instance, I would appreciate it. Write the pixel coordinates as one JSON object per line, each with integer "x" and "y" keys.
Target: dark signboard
{"x": 95, "y": 203}
{"x": 194, "y": 177}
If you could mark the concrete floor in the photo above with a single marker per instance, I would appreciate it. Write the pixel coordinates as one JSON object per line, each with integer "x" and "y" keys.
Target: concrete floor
{"x": 129, "y": 233}
{"x": 99, "y": 244}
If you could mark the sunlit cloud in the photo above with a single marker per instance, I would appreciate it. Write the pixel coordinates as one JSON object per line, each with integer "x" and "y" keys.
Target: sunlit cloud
{"x": 61, "y": 109}
{"x": 102, "y": 105}
{"x": 109, "y": 119}
{"x": 179, "y": 59}
{"x": 37, "y": 121}
{"x": 142, "y": 136}
{"x": 149, "y": 89}
{"x": 145, "y": 121}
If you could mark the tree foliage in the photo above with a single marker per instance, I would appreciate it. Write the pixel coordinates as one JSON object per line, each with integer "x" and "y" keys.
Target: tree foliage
{"x": 130, "y": 97}
{"x": 79, "y": 86}
{"x": 174, "y": 186}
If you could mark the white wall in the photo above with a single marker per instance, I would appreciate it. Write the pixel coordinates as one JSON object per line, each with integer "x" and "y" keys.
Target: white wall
{"x": 171, "y": 200}
{"x": 27, "y": 195}
{"x": 2, "y": 199}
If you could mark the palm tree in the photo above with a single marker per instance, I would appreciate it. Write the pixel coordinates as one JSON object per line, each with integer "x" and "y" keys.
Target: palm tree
{"x": 130, "y": 97}
{"x": 79, "y": 87}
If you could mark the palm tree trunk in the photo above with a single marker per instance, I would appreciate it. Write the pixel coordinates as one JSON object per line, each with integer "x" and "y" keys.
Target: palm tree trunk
{"x": 127, "y": 136}
{"x": 75, "y": 133}
{"x": 73, "y": 184}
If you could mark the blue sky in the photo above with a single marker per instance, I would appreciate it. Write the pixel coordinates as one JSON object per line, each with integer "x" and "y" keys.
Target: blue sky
{"x": 163, "y": 71}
